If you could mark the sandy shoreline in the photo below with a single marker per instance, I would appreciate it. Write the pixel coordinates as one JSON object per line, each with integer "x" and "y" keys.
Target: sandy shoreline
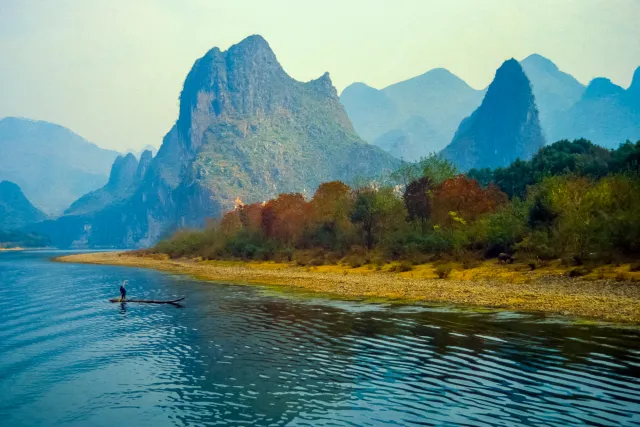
{"x": 487, "y": 286}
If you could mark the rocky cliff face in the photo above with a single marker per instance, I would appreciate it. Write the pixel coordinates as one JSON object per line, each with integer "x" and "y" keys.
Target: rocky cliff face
{"x": 245, "y": 129}
{"x": 125, "y": 178}
{"x": 504, "y": 128}
{"x": 15, "y": 210}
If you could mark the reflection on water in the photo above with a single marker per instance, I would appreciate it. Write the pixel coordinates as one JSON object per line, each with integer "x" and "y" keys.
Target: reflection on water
{"x": 236, "y": 355}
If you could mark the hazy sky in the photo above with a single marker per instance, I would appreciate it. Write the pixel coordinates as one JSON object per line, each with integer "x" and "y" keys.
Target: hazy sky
{"x": 112, "y": 70}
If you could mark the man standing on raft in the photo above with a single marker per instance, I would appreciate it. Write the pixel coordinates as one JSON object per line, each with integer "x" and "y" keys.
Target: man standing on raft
{"x": 123, "y": 291}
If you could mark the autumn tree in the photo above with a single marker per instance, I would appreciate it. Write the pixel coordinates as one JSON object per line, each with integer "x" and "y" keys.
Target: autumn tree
{"x": 285, "y": 219}
{"x": 251, "y": 217}
{"x": 230, "y": 224}
{"x": 461, "y": 199}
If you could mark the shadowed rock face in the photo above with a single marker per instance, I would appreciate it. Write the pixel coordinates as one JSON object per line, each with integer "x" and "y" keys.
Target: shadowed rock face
{"x": 504, "y": 128}
{"x": 125, "y": 178}
{"x": 15, "y": 210}
{"x": 245, "y": 129}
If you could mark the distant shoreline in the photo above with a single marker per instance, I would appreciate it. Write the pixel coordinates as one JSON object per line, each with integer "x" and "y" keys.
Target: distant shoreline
{"x": 492, "y": 285}
{"x": 12, "y": 249}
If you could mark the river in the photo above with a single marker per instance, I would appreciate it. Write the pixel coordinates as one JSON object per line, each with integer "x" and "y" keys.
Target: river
{"x": 243, "y": 355}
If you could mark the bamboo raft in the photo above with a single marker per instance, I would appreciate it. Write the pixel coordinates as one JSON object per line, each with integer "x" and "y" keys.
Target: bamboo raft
{"x": 148, "y": 301}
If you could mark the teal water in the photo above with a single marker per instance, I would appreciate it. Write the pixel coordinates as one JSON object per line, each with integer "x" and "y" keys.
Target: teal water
{"x": 237, "y": 355}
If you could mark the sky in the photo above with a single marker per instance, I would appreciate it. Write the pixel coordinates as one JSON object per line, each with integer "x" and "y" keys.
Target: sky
{"x": 112, "y": 70}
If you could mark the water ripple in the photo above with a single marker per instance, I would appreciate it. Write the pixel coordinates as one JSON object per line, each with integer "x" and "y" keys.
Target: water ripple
{"x": 238, "y": 356}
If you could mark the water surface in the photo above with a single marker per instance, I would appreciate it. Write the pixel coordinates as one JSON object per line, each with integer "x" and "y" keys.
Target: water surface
{"x": 239, "y": 355}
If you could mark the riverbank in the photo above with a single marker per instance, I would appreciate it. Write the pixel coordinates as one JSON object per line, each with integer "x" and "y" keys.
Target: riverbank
{"x": 599, "y": 296}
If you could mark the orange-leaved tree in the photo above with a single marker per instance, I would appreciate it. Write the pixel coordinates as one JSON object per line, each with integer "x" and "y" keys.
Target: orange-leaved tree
{"x": 462, "y": 199}
{"x": 251, "y": 217}
{"x": 230, "y": 224}
{"x": 286, "y": 218}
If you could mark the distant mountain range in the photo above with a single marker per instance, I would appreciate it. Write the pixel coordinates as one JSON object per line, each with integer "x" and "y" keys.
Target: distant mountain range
{"x": 412, "y": 118}
{"x": 15, "y": 209}
{"x": 605, "y": 114}
{"x": 419, "y": 116}
{"x": 245, "y": 130}
{"x": 555, "y": 91}
{"x": 51, "y": 164}
{"x": 505, "y": 127}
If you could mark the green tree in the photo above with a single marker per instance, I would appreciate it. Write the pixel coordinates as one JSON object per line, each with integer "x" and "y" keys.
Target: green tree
{"x": 378, "y": 211}
{"x": 437, "y": 168}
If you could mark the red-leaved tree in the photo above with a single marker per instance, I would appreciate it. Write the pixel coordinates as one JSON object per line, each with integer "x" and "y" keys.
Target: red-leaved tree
{"x": 462, "y": 197}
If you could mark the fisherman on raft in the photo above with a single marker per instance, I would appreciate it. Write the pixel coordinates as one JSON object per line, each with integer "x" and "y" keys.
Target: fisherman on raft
{"x": 123, "y": 291}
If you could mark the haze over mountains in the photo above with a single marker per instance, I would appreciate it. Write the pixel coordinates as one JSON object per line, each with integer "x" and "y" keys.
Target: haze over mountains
{"x": 245, "y": 130}
{"x": 419, "y": 116}
{"x": 555, "y": 91}
{"x": 51, "y": 164}
{"x": 411, "y": 118}
{"x": 606, "y": 114}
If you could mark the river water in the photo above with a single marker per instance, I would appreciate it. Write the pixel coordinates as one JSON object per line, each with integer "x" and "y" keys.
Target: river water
{"x": 240, "y": 355}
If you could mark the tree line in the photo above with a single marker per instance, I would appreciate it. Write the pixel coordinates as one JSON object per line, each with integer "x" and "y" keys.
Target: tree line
{"x": 572, "y": 200}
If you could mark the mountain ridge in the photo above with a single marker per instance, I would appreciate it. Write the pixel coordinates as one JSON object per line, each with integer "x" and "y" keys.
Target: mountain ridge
{"x": 503, "y": 128}
{"x": 16, "y": 210}
{"x": 246, "y": 130}
{"x": 386, "y": 117}
{"x": 52, "y": 165}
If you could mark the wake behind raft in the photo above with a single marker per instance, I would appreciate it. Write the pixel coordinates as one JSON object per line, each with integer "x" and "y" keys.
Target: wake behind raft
{"x": 148, "y": 301}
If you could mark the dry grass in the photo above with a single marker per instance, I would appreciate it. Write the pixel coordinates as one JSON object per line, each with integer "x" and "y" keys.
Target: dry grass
{"x": 513, "y": 286}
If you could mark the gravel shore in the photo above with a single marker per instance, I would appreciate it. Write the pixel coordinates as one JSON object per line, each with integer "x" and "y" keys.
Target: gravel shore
{"x": 605, "y": 299}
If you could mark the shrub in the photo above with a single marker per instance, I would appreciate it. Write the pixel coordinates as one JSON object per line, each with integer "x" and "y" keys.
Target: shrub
{"x": 470, "y": 262}
{"x": 578, "y": 272}
{"x": 303, "y": 258}
{"x": 355, "y": 260}
{"x": 443, "y": 271}
{"x": 537, "y": 243}
{"x": 333, "y": 257}
{"x": 317, "y": 261}
{"x": 402, "y": 267}
{"x": 622, "y": 277}
{"x": 378, "y": 261}
{"x": 419, "y": 258}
